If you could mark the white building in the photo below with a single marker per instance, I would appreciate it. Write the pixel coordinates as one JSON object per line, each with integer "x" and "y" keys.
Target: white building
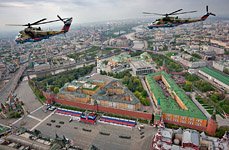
{"x": 40, "y": 67}
{"x": 221, "y": 65}
{"x": 141, "y": 67}
{"x": 190, "y": 64}
{"x": 216, "y": 77}
{"x": 217, "y": 50}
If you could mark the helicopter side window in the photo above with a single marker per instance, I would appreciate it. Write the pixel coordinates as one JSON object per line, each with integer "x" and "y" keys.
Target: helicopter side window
{"x": 156, "y": 22}
{"x": 19, "y": 35}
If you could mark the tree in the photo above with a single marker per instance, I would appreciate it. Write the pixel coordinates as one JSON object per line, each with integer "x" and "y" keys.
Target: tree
{"x": 125, "y": 80}
{"x": 56, "y": 90}
{"x": 105, "y": 62}
{"x": 188, "y": 86}
{"x": 191, "y": 77}
{"x": 226, "y": 70}
{"x": 144, "y": 93}
{"x": 137, "y": 94}
{"x": 221, "y": 131}
{"x": 196, "y": 55}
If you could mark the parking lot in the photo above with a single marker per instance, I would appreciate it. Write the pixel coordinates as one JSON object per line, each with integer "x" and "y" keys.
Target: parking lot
{"x": 85, "y": 135}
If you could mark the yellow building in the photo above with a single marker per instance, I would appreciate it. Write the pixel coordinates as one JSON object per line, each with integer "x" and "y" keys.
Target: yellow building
{"x": 116, "y": 95}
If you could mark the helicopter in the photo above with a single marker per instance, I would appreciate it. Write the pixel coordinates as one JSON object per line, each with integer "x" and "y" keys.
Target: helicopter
{"x": 35, "y": 34}
{"x": 169, "y": 21}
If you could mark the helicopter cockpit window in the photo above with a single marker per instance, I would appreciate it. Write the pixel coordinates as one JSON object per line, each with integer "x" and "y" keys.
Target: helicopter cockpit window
{"x": 19, "y": 35}
{"x": 156, "y": 22}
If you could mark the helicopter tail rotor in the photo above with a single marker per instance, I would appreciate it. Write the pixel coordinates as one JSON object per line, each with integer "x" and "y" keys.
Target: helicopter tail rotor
{"x": 209, "y": 13}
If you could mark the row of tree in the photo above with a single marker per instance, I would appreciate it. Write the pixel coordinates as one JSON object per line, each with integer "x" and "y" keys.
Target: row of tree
{"x": 54, "y": 82}
{"x": 193, "y": 80}
{"x": 171, "y": 65}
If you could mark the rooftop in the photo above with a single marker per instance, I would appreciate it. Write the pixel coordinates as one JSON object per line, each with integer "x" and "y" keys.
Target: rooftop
{"x": 169, "y": 105}
{"x": 140, "y": 64}
{"x": 104, "y": 94}
{"x": 216, "y": 74}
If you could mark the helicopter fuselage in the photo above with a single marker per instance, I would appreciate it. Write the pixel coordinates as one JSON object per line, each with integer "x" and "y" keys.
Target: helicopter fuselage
{"x": 32, "y": 34}
{"x": 170, "y": 21}
{"x": 167, "y": 22}
{"x": 35, "y": 35}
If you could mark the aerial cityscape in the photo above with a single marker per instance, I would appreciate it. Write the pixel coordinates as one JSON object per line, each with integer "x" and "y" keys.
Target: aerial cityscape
{"x": 130, "y": 77}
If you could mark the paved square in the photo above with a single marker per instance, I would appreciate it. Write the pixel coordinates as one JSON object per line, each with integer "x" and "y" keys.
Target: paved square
{"x": 84, "y": 139}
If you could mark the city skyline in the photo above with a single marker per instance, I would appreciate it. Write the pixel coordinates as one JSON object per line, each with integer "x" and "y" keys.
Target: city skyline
{"x": 84, "y": 11}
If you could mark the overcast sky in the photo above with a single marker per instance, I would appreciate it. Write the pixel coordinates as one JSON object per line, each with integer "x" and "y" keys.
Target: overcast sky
{"x": 24, "y": 11}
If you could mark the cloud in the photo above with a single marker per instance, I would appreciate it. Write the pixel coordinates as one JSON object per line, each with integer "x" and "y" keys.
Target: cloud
{"x": 14, "y": 4}
{"x": 23, "y": 11}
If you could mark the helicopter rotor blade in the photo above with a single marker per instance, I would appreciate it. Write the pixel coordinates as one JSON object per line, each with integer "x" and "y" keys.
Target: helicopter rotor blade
{"x": 212, "y": 14}
{"x": 15, "y": 25}
{"x": 38, "y": 21}
{"x": 147, "y": 13}
{"x": 60, "y": 18}
{"x": 184, "y": 12}
{"x": 174, "y": 12}
{"x": 49, "y": 21}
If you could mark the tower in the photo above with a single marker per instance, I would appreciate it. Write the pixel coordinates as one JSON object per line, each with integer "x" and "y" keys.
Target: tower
{"x": 212, "y": 124}
{"x": 164, "y": 68}
{"x": 98, "y": 64}
{"x": 157, "y": 114}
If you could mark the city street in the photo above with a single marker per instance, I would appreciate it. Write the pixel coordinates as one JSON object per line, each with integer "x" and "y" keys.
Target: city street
{"x": 25, "y": 94}
{"x": 11, "y": 84}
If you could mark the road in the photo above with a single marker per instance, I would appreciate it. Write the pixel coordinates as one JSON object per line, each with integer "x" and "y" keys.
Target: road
{"x": 12, "y": 84}
{"x": 25, "y": 94}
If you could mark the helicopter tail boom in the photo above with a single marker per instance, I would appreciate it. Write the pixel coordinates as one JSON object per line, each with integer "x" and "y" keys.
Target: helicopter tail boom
{"x": 67, "y": 25}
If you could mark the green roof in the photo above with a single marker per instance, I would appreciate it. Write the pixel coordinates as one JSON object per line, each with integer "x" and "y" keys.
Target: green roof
{"x": 169, "y": 105}
{"x": 216, "y": 74}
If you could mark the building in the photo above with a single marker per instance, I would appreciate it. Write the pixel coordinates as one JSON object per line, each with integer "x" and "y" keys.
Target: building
{"x": 220, "y": 43}
{"x": 176, "y": 107}
{"x": 121, "y": 62}
{"x": 221, "y": 65}
{"x": 108, "y": 94}
{"x": 2, "y": 69}
{"x": 80, "y": 91}
{"x": 216, "y": 76}
{"x": 187, "y": 140}
{"x": 116, "y": 95}
{"x": 191, "y": 139}
{"x": 119, "y": 42}
{"x": 189, "y": 61}
{"x": 217, "y": 50}
{"x": 141, "y": 67}
{"x": 41, "y": 67}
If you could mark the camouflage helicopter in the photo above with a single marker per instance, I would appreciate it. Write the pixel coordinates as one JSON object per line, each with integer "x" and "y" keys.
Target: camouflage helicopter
{"x": 169, "y": 21}
{"x": 35, "y": 34}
